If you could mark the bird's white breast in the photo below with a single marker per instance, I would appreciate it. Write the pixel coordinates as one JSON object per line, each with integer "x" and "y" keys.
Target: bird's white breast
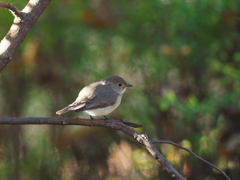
{"x": 106, "y": 110}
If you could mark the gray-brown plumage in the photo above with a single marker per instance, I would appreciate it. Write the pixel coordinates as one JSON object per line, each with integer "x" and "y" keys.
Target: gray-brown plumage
{"x": 99, "y": 98}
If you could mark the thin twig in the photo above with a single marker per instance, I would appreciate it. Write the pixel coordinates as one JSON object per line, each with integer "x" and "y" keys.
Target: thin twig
{"x": 12, "y": 8}
{"x": 130, "y": 124}
{"x": 191, "y": 152}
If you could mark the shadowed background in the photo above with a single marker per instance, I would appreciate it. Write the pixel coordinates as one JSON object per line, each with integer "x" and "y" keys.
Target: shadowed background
{"x": 183, "y": 58}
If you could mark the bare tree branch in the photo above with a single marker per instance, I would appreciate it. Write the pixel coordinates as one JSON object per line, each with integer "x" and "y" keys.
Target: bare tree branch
{"x": 195, "y": 155}
{"x": 113, "y": 124}
{"x": 23, "y": 22}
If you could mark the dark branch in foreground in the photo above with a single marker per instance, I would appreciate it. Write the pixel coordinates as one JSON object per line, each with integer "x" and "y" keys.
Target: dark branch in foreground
{"x": 113, "y": 124}
{"x": 117, "y": 124}
{"x": 196, "y": 156}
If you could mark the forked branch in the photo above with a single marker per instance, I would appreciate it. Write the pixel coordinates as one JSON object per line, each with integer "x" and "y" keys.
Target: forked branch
{"x": 116, "y": 124}
{"x": 195, "y": 155}
{"x": 12, "y": 8}
{"x": 113, "y": 124}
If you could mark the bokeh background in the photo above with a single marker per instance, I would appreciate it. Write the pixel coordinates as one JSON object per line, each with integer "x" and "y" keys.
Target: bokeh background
{"x": 183, "y": 58}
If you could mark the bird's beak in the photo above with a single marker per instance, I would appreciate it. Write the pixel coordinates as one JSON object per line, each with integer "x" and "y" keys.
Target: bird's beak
{"x": 129, "y": 85}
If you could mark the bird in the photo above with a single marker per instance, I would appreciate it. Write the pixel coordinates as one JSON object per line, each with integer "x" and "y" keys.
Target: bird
{"x": 99, "y": 98}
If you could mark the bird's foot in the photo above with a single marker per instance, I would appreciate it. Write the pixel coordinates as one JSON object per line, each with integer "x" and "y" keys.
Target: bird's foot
{"x": 91, "y": 121}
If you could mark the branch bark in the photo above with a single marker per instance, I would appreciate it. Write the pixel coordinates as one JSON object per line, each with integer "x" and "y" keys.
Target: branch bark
{"x": 23, "y": 22}
{"x": 113, "y": 124}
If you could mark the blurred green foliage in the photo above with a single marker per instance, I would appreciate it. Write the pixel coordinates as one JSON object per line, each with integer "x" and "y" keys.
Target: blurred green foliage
{"x": 183, "y": 58}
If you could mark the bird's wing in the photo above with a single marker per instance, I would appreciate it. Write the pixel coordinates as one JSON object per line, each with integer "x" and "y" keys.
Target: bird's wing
{"x": 70, "y": 107}
{"x": 104, "y": 98}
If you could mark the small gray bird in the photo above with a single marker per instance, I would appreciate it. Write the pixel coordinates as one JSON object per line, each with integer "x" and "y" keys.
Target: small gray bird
{"x": 99, "y": 98}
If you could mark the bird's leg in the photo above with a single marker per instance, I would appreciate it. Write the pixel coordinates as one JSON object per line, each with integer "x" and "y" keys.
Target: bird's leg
{"x": 106, "y": 118}
{"x": 91, "y": 120}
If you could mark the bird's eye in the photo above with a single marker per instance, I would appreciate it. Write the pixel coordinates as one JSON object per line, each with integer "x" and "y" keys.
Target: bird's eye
{"x": 119, "y": 85}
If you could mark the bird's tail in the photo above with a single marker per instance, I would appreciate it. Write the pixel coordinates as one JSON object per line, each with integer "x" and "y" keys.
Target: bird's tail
{"x": 70, "y": 107}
